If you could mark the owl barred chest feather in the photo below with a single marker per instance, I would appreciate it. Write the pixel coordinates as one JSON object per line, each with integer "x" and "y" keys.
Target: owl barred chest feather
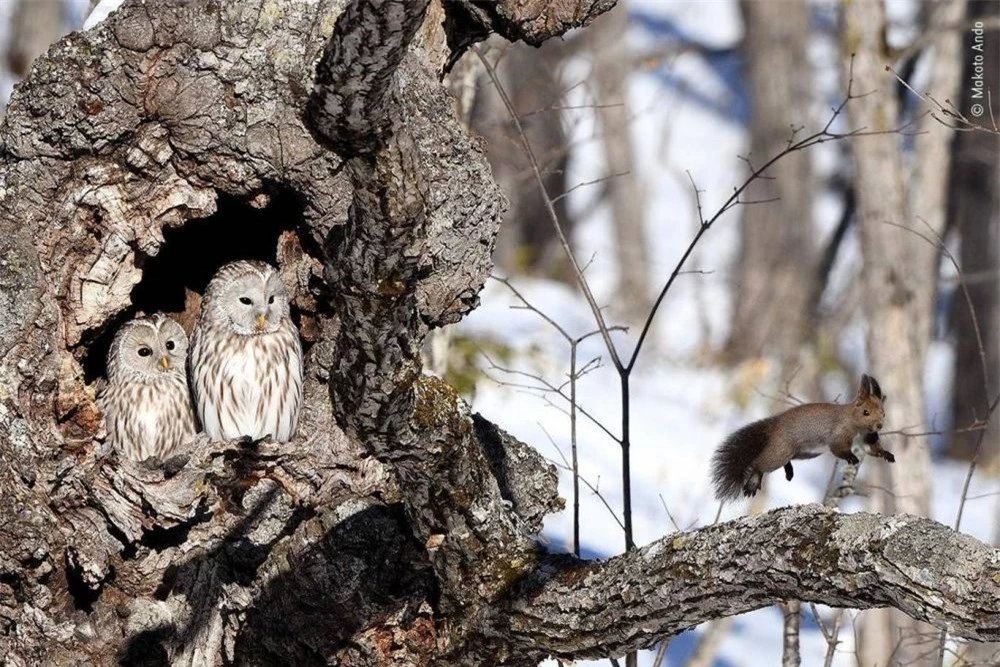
{"x": 247, "y": 385}
{"x": 147, "y": 419}
{"x": 146, "y": 403}
{"x": 246, "y": 356}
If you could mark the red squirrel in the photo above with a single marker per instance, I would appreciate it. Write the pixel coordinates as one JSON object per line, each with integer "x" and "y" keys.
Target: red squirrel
{"x": 802, "y": 432}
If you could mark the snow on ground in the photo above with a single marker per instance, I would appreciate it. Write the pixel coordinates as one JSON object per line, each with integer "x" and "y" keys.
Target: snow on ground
{"x": 681, "y": 409}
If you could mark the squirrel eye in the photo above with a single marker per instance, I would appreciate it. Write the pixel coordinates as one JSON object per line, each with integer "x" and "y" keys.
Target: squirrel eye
{"x": 145, "y": 351}
{"x": 170, "y": 344}
{"x": 245, "y": 300}
{"x": 867, "y": 413}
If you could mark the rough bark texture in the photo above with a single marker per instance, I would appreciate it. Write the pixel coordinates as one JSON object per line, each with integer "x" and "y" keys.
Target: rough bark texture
{"x": 531, "y": 21}
{"x": 396, "y": 529}
{"x": 777, "y": 261}
{"x": 808, "y": 552}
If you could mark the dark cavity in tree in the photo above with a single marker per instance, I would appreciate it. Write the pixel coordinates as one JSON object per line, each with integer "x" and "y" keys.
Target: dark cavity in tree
{"x": 190, "y": 256}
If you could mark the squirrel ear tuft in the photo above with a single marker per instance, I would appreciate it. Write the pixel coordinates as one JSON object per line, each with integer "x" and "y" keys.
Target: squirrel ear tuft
{"x": 865, "y": 389}
{"x": 875, "y": 389}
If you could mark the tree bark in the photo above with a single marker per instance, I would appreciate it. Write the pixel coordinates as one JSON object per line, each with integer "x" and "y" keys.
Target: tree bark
{"x": 396, "y": 528}
{"x": 900, "y": 268}
{"x": 776, "y": 267}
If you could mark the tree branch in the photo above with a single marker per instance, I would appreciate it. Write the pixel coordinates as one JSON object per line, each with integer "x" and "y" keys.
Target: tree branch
{"x": 533, "y": 21}
{"x": 356, "y": 71}
{"x": 576, "y": 609}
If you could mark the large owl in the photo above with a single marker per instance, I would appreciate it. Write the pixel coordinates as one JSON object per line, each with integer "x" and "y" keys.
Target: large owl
{"x": 146, "y": 403}
{"x": 246, "y": 356}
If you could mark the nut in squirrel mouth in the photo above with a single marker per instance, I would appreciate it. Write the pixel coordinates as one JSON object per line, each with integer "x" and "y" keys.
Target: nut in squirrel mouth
{"x": 871, "y": 437}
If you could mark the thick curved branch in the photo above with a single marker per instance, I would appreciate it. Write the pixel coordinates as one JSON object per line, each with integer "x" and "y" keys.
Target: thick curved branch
{"x": 576, "y": 609}
{"x": 533, "y": 21}
{"x": 356, "y": 71}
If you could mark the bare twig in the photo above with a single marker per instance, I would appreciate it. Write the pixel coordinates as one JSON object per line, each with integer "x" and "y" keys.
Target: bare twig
{"x": 822, "y": 136}
{"x": 565, "y": 465}
{"x": 961, "y": 122}
{"x": 543, "y": 387}
{"x": 561, "y": 235}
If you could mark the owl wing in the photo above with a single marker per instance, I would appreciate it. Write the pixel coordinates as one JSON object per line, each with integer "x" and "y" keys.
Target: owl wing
{"x": 200, "y": 370}
{"x": 290, "y": 388}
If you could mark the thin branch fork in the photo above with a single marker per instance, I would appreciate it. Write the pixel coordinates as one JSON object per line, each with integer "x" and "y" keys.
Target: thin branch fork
{"x": 822, "y": 136}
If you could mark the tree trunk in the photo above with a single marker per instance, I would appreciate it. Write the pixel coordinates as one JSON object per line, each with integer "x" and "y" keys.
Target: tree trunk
{"x": 900, "y": 268}
{"x": 776, "y": 267}
{"x": 612, "y": 65}
{"x": 34, "y": 25}
{"x": 527, "y": 241}
{"x": 396, "y": 528}
{"x": 974, "y": 209}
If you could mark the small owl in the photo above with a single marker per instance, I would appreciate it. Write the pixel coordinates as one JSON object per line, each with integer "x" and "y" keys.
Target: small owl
{"x": 246, "y": 356}
{"x": 146, "y": 403}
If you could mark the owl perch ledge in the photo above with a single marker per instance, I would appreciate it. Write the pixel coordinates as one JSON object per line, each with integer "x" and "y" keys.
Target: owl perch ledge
{"x": 396, "y": 529}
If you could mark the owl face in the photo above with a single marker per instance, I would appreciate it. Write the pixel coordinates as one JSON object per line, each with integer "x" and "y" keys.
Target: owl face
{"x": 248, "y": 296}
{"x": 148, "y": 346}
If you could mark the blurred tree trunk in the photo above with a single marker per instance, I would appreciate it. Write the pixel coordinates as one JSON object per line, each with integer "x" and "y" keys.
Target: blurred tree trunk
{"x": 34, "y": 24}
{"x": 900, "y": 269}
{"x": 611, "y": 58}
{"x": 776, "y": 267}
{"x": 527, "y": 241}
{"x": 974, "y": 209}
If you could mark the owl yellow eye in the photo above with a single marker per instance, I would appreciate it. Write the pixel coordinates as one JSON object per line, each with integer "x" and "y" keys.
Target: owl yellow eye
{"x": 145, "y": 351}
{"x": 245, "y": 300}
{"x": 170, "y": 345}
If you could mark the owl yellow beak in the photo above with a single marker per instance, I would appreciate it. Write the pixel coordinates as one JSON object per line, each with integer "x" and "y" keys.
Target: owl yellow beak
{"x": 165, "y": 363}
{"x": 261, "y": 321}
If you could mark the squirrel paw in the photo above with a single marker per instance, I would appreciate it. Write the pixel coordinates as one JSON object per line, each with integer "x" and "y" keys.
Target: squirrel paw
{"x": 852, "y": 459}
{"x": 752, "y": 485}
{"x": 888, "y": 456}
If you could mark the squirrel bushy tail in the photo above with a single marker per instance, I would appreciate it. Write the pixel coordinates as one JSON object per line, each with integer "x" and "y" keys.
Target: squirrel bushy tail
{"x": 731, "y": 463}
